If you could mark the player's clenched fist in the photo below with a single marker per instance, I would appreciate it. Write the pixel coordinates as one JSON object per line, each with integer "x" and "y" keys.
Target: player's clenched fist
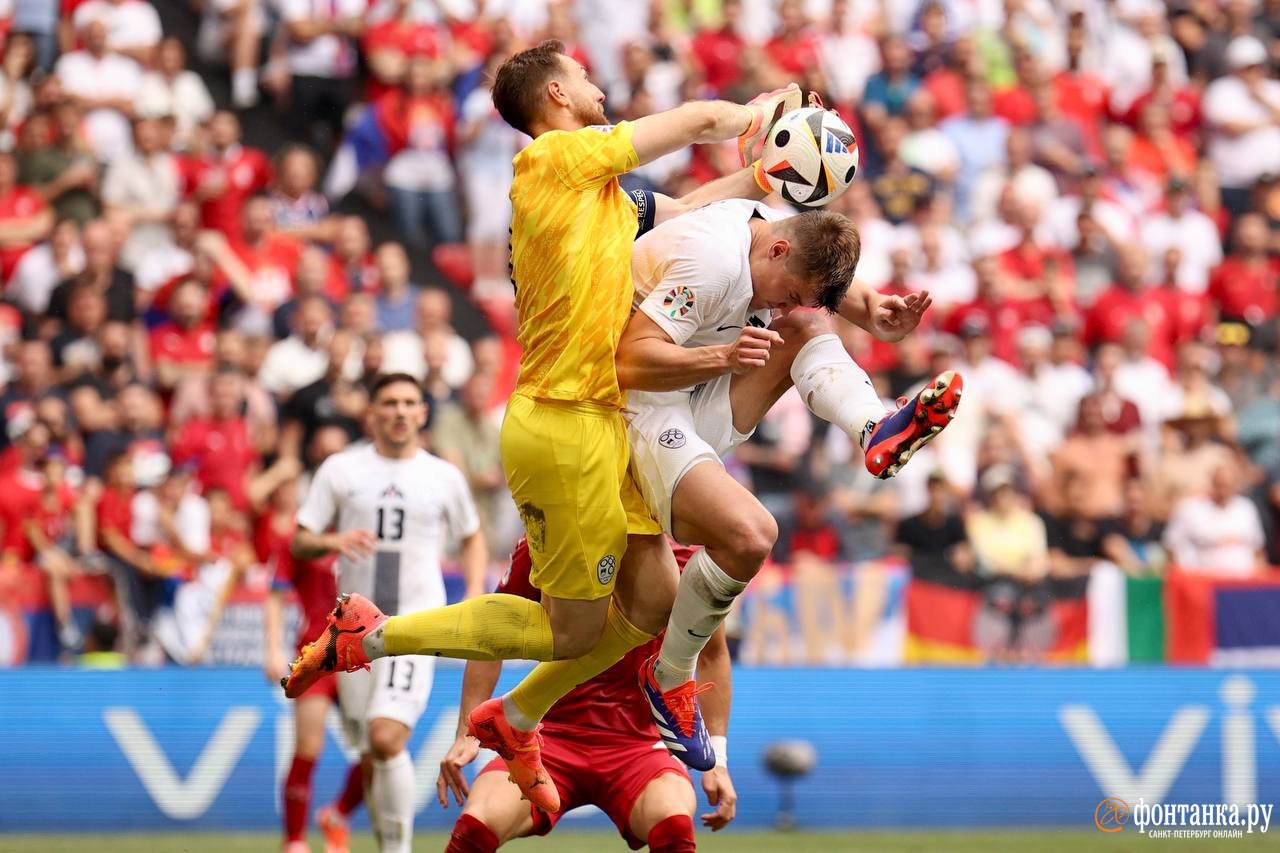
{"x": 752, "y": 348}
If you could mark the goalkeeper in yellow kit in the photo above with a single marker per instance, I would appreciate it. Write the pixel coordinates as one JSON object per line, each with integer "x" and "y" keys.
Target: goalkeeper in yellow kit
{"x": 564, "y": 444}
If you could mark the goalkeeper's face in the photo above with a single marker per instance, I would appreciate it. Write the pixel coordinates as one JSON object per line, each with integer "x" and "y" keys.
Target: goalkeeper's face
{"x": 585, "y": 100}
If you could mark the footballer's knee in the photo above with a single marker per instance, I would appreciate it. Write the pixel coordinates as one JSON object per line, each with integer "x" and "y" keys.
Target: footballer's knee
{"x": 669, "y": 795}
{"x": 745, "y": 541}
{"x": 387, "y": 738}
{"x": 576, "y": 626}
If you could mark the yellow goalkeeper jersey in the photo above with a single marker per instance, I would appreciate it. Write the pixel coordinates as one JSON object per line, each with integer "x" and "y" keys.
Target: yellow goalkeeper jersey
{"x": 572, "y": 229}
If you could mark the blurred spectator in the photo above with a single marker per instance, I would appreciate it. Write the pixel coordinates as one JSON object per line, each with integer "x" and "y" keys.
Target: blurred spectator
{"x": 935, "y": 541}
{"x": 888, "y": 90}
{"x": 1031, "y": 184}
{"x": 142, "y": 191}
{"x": 218, "y": 446}
{"x": 301, "y": 358}
{"x": 230, "y": 34}
{"x": 465, "y": 433}
{"x": 132, "y": 432}
{"x": 1218, "y": 533}
{"x": 773, "y": 453}
{"x": 900, "y": 188}
{"x": 1135, "y": 191}
{"x": 980, "y": 137}
{"x": 1242, "y": 111}
{"x": 420, "y": 176}
{"x": 1243, "y": 287}
{"x": 43, "y": 266}
{"x": 166, "y": 263}
{"x": 1188, "y": 230}
{"x": 1134, "y": 541}
{"x": 296, "y": 206}
{"x": 352, "y": 266}
{"x": 1094, "y": 459}
{"x": 403, "y": 352}
{"x": 813, "y": 529}
{"x": 133, "y": 28}
{"x": 397, "y": 34}
{"x": 849, "y": 56}
{"x": 103, "y": 84}
{"x": 1076, "y": 535}
{"x": 225, "y": 176}
{"x": 183, "y": 346}
{"x": 396, "y": 296}
{"x": 101, "y": 275}
{"x": 926, "y": 147}
{"x": 1156, "y": 150}
{"x": 322, "y": 63}
{"x": 172, "y": 91}
{"x": 54, "y": 163}
{"x": 332, "y": 400}
{"x": 1008, "y": 540}
{"x": 25, "y": 218}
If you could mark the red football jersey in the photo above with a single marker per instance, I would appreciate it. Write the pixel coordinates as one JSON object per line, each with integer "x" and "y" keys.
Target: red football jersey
{"x": 222, "y": 453}
{"x": 20, "y": 203}
{"x": 612, "y": 701}
{"x": 314, "y": 581}
{"x": 242, "y": 171}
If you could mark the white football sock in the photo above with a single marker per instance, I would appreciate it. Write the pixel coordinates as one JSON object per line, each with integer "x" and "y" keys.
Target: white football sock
{"x": 391, "y": 794}
{"x": 517, "y": 718}
{"x": 835, "y": 388}
{"x": 702, "y": 602}
{"x": 374, "y": 643}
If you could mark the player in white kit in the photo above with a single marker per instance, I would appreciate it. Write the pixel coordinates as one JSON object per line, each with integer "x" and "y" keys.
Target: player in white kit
{"x": 715, "y": 341}
{"x": 393, "y": 509}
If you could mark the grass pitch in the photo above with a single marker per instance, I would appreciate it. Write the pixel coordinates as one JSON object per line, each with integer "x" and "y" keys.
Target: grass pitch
{"x": 1042, "y": 841}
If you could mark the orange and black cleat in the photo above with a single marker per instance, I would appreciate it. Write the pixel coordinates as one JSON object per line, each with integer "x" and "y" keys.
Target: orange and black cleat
{"x": 339, "y": 648}
{"x": 521, "y": 750}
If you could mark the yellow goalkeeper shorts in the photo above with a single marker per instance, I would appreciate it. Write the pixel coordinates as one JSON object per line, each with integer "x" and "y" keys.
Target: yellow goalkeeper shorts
{"x": 566, "y": 466}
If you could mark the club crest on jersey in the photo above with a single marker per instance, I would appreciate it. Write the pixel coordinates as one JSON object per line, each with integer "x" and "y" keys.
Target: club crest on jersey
{"x": 391, "y": 493}
{"x": 678, "y": 301}
{"x": 606, "y": 568}
{"x": 671, "y": 439}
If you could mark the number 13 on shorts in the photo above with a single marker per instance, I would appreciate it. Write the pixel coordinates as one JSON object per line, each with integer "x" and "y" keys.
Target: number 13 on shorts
{"x": 395, "y": 688}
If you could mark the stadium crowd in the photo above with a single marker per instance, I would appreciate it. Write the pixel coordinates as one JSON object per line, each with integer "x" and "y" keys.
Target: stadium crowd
{"x": 1090, "y": 191}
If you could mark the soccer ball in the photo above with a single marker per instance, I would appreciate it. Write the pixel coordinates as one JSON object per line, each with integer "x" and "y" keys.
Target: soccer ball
{"x": 810, "y": 157}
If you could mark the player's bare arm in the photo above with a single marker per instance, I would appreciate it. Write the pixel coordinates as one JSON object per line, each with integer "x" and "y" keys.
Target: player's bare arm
{"x": 352, "y": 544}
{"x": 887, "y": 317}
{"x": 473, "y": 553}
{"x": 478, "y": 682}
{"x": 740, "y": 184}
{"x": 649, "y": 360}
{"x": 715, "y": 667}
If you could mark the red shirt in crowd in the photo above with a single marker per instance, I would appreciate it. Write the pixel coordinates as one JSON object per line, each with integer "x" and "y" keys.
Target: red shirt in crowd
{"x": 358, "y": 277}
{"x": 1244, "y": 290}
{"x": 115, "y": 512}
{"x": 1117, "y": 306}
{"x": 1187, "y": 312}
{"x": 947, "y": 88}
{"x": 173, "y": 344}
{"x": 1029, "y": 262}
{"x": 243, "y": 172}
{"x": 1082, "y": 97}
{"x": 795, "y": 54}
{"x": 21, "y": 202}
{"x": 22, "y": 497}
{"x": 221, "y": 452}
{"x": 1184, "y": 111}
{"x": 1002, "y": 319}
{"x": 1015, "y": 105}
{"x": 411, "y": 39}
{"x": 719, "y": 54}
{"x": 272, "y": 263}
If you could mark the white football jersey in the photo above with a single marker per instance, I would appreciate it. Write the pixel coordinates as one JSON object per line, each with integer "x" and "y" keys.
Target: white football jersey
{"x": 414, "y": 506}
{"x": 693, "y": 274}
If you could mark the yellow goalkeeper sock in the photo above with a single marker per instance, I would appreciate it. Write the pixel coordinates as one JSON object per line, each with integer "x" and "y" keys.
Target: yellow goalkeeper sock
{"x": 548, "y": 682}
{"x": 488, "y": 627}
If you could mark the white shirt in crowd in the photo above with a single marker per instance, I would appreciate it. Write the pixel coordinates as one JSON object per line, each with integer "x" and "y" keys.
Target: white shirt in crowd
{"x": 111, "y": 76}
{"x": 37, "y": 274}
{"x": 150, "y": 184}
{"x": 185, "y": 97}
{"x": 416, "y": 507}
{"x": 1195, "y": 235}
{"x": 130, "y": 24}
{"x": 290, "y": 364}
{"x": 402, "y": 352}
{"x": 1221, "y": 540}
{"x": 1241, "y": 160}
{"x": 329, "y": 55}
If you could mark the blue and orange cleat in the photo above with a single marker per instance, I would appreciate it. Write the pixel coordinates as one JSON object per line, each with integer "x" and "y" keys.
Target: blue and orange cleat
{"x": 898, "y": 435}
{"x": 678, "y": 717}
{"x": 339, "y": 648}
{"x": 521, "y": 750}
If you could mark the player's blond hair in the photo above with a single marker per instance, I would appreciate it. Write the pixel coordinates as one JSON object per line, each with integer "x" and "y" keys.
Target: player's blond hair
{"x": 825, "y": 248}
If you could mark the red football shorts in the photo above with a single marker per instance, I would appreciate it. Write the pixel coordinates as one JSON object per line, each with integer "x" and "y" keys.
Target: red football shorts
{"x": 609, "y": 775}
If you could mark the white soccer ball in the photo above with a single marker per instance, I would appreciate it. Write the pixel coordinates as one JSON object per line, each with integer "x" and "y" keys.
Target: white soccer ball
{"x": 810, "y": 157}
